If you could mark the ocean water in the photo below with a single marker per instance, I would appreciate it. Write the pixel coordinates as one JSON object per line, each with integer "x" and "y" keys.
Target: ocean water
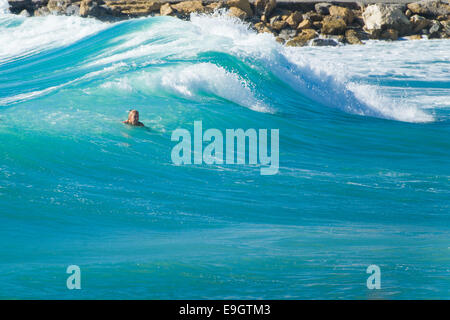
{"x": 364, "y": 173}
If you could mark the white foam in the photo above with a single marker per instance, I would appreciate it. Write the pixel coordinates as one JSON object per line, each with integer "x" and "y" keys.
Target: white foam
{"x": 35, "y": 34}
{"x": 191, "y": 82}
{"x": 4, "y": 7}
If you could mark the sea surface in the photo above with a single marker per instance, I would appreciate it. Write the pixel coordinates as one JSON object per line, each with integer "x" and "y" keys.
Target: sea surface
{"x": 364, "y": 173}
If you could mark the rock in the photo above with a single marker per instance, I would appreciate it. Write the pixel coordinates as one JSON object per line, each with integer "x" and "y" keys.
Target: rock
{"x": 381, "y": 17}
{"x": 446, "y": 27}
{"x": 294, "y": 19}
{"x": 38, "y": 3}
{"x": 322, "y": 8}
{"x": 287, "y": 34}
{"x": 264, "y": 7}
{"x": 258, "y": 26}
{"x": 274, "y": 18}
{"x": 434, "y": 30}
{"x": 42, "y": 11}
{"x": 244, "y": 5}
{"x": 185, "y": 8}
{"x": 86, "y": 7}
{"x": 352, "y": 37}
{"x": 266, "y": 29}
{"x": 341, "y": 12}
{"x": 132, "y": 7}
{"x": 415, "y": 37}
{"x": 93, "y": 9}
{"x": 279, "y": 40}
{"x": 305, "y": 24}
{"x": 419, "y": 23}
{"x": 58, "y": 6}
{"x": 166, "y": 10}
{"x": 307, "y": 34}
{"x": 238, "y": 13}
{"x": 302, "y": 38}
{"x": 278, "y": 25}
{"x": 72, "y": 10}
{"x": 323, "y": 42}
{"x": 313, "y": 16}
{"x": 435, "y": 26}
{"x": 429, "y": 8}
{"x": 17, "y": 6}
{"x": 333, "y": 25}
{"x": 389, "y": 34}
{"x": 285, "y": 16}
{"x": 214, "y": 6}
{"x": 408, "y": 13}
{"x": 317, "y": 25}
{"x": 296, "y": 43}
{"x": 24, "y": 13}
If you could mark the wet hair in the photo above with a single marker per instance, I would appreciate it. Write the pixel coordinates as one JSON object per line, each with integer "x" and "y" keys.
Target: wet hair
{"x": 132, "y": 114}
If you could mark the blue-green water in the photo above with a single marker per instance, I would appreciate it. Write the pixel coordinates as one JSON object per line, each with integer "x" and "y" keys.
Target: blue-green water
{"x": 364, "y": 172}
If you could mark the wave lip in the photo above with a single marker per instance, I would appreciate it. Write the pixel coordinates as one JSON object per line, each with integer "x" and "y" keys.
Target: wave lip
{"x": 191, "y": 82}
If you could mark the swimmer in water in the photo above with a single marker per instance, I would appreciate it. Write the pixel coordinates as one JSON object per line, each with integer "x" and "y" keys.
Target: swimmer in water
{"x": 133, "y": 119}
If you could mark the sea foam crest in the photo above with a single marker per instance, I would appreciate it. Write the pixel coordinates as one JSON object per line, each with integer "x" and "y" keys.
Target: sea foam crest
{"x": 305, "y": 71}
{"x": 36, "y": 34}
{"x": 191, "y": 82}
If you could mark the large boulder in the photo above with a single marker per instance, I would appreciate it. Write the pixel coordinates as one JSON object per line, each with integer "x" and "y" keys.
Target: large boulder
{"x": 90, "y": 8}
{"x": 429, "y": 8}
{"x": 302, "y": 38}
{"x": 17, "y": 6}
{"x": 323, "y": 42}
{"x": 287, "y": 34}
{"x": 322, "y": 8}
{"x": 294, "y": 19}
{"x": 265, "y": 7}
{"x": 433, "y": 32}
{"x": 305, "y": 24}
{"x": 380, "y": 17}
{"x": 238, "y": 13}
{"x": 446, "y": 27}
{"x": 133, "y": 8}
{"x": 419, "y": 23}
{"x": 244, "y": 5}
{"x": 352, "y": 37}
{"x": 58, "y": 6}
{"x": 389, "y": 34}
{"x": 278, "y": 24}
{"x": 72, "y": 10}
{"x": 313, "y": 16}
{"x": 166, "y": 10}
{"x": 333, "y": 25}
{"x": 187, "y": 7}
{"x": 341, "y": 12}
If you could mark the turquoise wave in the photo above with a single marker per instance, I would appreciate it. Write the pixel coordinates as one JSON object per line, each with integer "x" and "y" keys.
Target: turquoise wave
{"x": 364, "y": 163}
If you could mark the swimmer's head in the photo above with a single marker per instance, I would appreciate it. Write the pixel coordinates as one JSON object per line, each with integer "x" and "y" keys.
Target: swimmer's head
{"x": 133, "y": 117}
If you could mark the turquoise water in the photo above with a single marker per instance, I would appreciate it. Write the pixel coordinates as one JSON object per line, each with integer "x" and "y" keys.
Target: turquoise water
{"x": 364, "y": 172}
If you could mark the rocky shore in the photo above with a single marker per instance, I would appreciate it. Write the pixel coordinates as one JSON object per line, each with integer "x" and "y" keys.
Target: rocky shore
{"x": 292, "y": 23}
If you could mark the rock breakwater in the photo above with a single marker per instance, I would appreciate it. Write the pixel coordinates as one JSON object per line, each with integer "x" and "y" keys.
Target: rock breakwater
{"x": 293, "y": 23}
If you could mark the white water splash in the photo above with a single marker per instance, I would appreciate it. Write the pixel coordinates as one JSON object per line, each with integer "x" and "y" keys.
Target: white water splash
{"x": 191, "y": 82}
{"x": 37, "y": 34}
{"x": 4, "y": 7}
